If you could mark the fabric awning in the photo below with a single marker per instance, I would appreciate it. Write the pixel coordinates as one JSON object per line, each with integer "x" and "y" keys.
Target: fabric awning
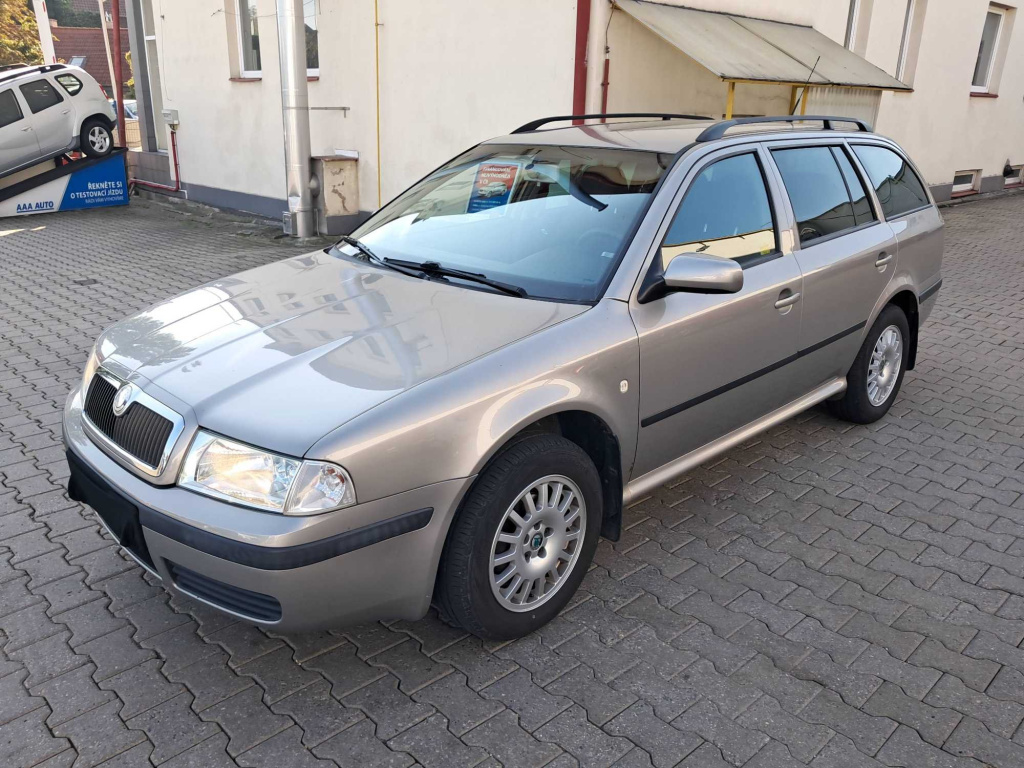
{"x": 741, "y": 49}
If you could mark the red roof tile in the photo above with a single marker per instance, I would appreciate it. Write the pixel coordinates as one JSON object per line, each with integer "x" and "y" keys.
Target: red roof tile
{"x": 85, "y": 41}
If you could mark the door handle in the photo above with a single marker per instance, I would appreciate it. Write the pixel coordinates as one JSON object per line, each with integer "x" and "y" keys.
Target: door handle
{"x": 26, "y": 128}
{"x": 66, "y": 112}
{"x": 883, "y": 259}
{"x": 787, "y": 299}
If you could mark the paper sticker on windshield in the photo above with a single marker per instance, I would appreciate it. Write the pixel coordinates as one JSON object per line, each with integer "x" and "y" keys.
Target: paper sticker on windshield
{"x": 493, "y": 186}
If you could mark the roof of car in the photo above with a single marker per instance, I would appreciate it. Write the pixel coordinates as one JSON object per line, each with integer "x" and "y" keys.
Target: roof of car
{"x": 9, "y": 75}
{"x": 672, "y": 134}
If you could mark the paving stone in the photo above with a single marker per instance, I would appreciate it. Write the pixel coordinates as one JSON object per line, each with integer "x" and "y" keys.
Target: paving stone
{"x": 48, "y": 658}
{"x": 804, "y": 740}
{"x": 71, "y": 694}
{"x": 480, "y": 668}
{"x": 26, "y": 740}
{"x": 1000, "y": 716}
{"x": 114, "y": 653}
{"x": 318, "y": 714}
{"x": 906, "y": 749}
{"x": 346, "y": 671}
{"x": 972, "y": 739}
{"x": 867, "y": 733}
{"x": 277, "y": 674}
{"x": 738, "y": 744}
{"x": 210, "y": 680}
{"x": 586, "y": 742}
{"x": 933, "y": 724}
{"x": 914, "y": 680}
{"x": 601, "y": 701}
{"x": 244, "y": 717}
{"x": 665, "y": 744}
{"x": 977, "y": 673}
{"x": 529, "y": 701}
{"x": 99, "y": 735}
{"x": 413, "y": 668}
{"x": 607, "y": 662}
{"x": 283, "y": 749}
{"x": 141, "y": 688}
{"x": 358, "y": 747}
{"x": 503, "y": 738}
{"x": 392, "y": 711}
{"x": 434, "y": 746}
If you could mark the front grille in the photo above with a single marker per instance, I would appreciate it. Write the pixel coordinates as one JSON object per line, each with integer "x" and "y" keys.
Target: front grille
{"x": 235, "y": 599}
{"x": 140, "y": 432}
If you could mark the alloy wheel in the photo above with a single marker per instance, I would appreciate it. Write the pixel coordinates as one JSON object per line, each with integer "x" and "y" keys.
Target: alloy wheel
{"x": 99, "y": 139}
{"x": 884, "y": 367}
{"x": 537, "y": 544}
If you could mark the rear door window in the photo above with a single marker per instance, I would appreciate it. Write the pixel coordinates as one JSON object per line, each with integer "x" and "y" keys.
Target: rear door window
{"x": 40, "y": 95}
{"x": 726, "y": 212}
{"x": 898, "y": 188}
{"x": 861, "y": 205}
{"x": 819, "y": 193}
{"x": 69, "y": 83}
{"x": 10, "y": 112}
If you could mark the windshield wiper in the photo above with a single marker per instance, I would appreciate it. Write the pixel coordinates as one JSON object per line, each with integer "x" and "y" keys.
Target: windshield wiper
{"x": 373, "y": 257}
{"x": 433, "y": 269}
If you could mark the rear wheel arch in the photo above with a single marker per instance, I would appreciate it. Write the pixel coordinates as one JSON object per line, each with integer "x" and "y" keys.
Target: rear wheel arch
{"x": 907, "y": 301}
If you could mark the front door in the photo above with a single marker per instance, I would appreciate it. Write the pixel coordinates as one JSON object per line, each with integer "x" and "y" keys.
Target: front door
{"x": 17, "y": 141}
{"x": 711, "y": 363}
{"x": 53, "y": 117}
{"x": 847, "y": 255}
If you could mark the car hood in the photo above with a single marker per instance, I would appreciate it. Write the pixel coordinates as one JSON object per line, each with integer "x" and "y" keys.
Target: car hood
{"x": 281, "y": 355}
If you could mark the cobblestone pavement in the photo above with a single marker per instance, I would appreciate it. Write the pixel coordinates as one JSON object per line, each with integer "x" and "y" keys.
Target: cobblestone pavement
{"x": 826, "y": 595}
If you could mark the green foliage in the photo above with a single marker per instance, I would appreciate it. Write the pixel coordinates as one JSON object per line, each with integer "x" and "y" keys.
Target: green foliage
{"x": 19, "y": 35}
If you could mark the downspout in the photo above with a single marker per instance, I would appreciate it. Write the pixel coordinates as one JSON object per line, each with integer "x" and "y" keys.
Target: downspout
{"x": 579, "y": 78}
{"x": 118, "y": 72}
{"x": 291, "y": 38}
{"x": 597, "y": 56}
{"x": 376, "y": 75}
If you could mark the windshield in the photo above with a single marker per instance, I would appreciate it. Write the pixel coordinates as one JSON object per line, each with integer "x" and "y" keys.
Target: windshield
{"x": 547, "y": 219}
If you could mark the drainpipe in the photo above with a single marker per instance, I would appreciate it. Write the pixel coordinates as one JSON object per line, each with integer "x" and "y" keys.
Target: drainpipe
{"x": 118, "y": 72}
{"x": 579, "y": 77}
{"x": 291, "y": 38}
{"x": 597, "y": 55}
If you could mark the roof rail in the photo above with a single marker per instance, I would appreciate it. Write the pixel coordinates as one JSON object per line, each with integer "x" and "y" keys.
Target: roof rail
{"x": 22, "y": 71}
{"x": 6, "y": 67}
{"x": 718, "y": 130}
{"x": 533, "y": 126}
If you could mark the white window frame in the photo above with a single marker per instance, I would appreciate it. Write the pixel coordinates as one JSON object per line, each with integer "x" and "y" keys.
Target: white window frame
{"x": 1019, "y": 179}
{"x": 908, "y": 26}
{"x": 314, "y": 72}
{"x": 986, "y": 88}
{"x": 242, "y": 71}
{"x": 963, "y": 189}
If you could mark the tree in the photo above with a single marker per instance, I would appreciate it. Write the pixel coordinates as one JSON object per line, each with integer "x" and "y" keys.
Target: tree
{"x": 19, "y": 35}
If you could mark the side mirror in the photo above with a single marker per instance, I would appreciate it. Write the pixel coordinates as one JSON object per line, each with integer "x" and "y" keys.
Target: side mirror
{"x": 695, "y": 273}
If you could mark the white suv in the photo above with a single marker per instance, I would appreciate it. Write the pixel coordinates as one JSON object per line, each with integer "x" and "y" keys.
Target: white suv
{"x": 49, "y": 110}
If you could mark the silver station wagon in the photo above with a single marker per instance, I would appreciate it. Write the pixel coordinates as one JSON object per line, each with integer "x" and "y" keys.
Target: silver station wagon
{"x": 455, "y": 403}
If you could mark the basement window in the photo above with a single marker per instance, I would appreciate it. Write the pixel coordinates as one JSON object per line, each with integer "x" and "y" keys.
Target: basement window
{"x": 1015, "y": 179}
{"x": 966, "y": 182}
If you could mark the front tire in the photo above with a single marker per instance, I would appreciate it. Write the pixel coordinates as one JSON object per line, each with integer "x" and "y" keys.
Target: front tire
{"x": 522, "y": 540}
{"x": 96, "y": 138}
{"x": 877, "y": 374}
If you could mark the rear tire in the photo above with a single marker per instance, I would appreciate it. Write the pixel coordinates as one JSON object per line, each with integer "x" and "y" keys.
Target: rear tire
{"x": 877, "y": 374}
{"x": 532, "y": 518}
{"x": 96, "y": 140}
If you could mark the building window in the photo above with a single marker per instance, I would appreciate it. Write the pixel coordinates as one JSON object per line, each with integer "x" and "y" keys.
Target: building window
{"x": 1016, "y": 176}
{"x": 249, "y": 39}
{"x": 966, "y": 182}
{"x": 982, "y": 82}
{"x": 77, "y": 61}
{"x": 312, "y": 43}
{"x": 152, "y": 75}
{"x": 910, "y": 42}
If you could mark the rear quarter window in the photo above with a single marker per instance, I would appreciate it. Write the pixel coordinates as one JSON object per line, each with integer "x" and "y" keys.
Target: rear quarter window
{"x": 69, "y": 83}
{"x": 898, "y": 188}
{"x": 10, "y": 112}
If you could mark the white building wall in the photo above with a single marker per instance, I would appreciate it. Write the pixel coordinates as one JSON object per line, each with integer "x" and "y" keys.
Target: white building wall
{"x": 455, "y": 72}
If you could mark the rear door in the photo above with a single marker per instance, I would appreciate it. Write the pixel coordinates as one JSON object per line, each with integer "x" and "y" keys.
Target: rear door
{"x": 710, "y": 363}
{"x": 846, "y": 253}
{"x": 52, "y": 116}
{"x": 17, "y": 141}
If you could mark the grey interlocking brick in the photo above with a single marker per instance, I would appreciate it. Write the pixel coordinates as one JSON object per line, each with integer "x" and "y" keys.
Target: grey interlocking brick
{"x": 866, "y": 732}
{"x": 607, "y": 662}
{"x": 244, "y": 718}
{"x": 601, "y": 701}
{"x": 26, "y": 740}
{"x": 506, "y": 740}
{"x": 346, "y": 671}
{"x": 906, "y": 749}
{"x": 284, "y": 749}
{"x": 359, "y": 747}
{"x": 1002, "y": 717}
{"x": 317, "y": 713}
{"x": 543, "y": 663}
{"x": 277, "y": 674}
{"x": 701, "y": 641}
{"x": 99, "y": 734}
{"x": 392, "y": 711}
{"x": 480, "y": 668}
{"x": 586, "y": 742}
{"x": 434, "y": 746}
{"x": 804, "y": 740}
{"x": 665, "y": 744}
{"x": 529, "y": 701}
{"x": 71, "y": 694}
{"x": 952, "y": 636}
{"x": 141, "y": 688}
{"x": 972, "y": 739}
{"x": 464, "y": 708}
{"x": 932, "y": 723}
{"x": 737, "y": 744}
{"x": 841, "y": 649}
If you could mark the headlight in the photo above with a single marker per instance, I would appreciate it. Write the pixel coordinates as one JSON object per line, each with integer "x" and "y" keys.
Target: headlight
{"x": 219, "y": 467}
{"x": 91, "y": 365}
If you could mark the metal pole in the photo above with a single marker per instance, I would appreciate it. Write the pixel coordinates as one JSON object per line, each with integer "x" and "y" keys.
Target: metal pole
{"x": 115, "y": 11}
{"x": 291, "y": 38}
{"x": 730, "y": 101}
{"x": 106, "y": 42}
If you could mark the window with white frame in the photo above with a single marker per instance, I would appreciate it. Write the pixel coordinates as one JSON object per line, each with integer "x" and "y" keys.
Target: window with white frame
{"x": 966, "y": 181}
{"x": 910, "y": 42}
{"x": 250, "y": 64}
{"x": 309, "y": 8}
{"x": 987, "y": 50}
{"x": 1016, "y": 176}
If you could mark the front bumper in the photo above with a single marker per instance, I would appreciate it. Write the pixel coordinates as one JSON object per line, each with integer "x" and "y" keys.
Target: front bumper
{"x": 372, "y": 561}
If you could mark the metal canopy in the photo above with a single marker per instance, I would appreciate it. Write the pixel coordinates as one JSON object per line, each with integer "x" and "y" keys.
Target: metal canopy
{"x": 741, "y": 49}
